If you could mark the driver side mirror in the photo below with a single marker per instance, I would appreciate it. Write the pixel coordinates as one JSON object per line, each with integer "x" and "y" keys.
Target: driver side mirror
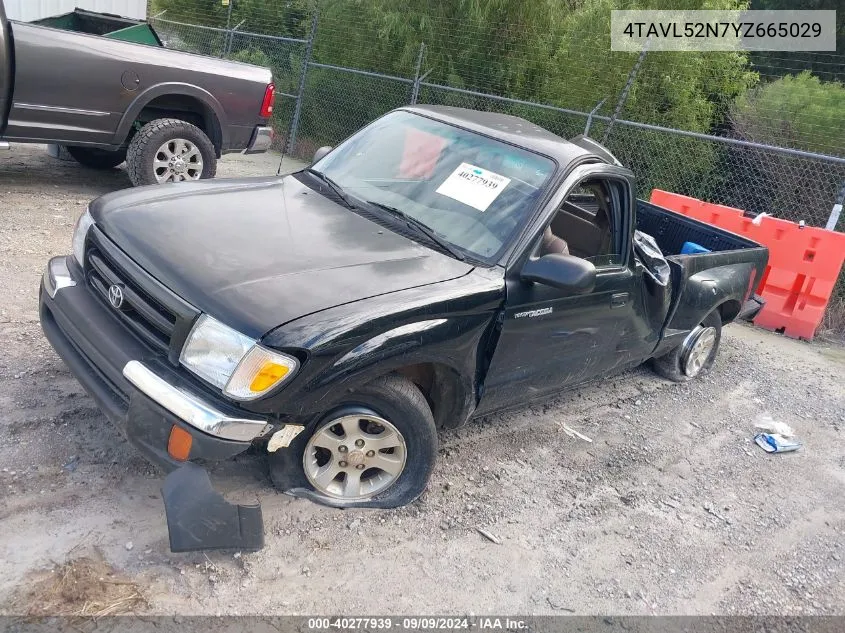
{"x": 321, "y": 152}
{"x": 561, "y": 271}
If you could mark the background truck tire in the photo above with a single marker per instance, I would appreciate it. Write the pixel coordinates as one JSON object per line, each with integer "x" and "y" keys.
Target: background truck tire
{"x": 393, "y": 398}
{"x": 675, "y": 365}
{"x": 155, "y": 152}
{"x": 96, "y": 158}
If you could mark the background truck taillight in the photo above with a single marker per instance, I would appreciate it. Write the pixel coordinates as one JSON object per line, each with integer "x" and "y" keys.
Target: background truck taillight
{"x": 269, "y": 100}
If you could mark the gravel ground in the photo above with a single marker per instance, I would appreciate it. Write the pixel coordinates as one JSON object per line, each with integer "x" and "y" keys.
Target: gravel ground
{"x": 671, "y": 509}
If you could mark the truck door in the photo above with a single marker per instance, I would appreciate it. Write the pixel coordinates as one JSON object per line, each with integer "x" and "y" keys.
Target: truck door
{"x": 553, "y": 338}
{"x": 67, "y": 86}
{"x": 5, "y": 67}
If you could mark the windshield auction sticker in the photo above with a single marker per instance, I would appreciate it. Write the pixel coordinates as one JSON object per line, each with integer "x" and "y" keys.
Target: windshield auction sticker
{"x": 693, "y": 30}
{"x": 474, "y": 186}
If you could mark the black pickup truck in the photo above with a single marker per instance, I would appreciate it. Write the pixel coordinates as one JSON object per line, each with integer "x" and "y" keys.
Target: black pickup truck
{"x": 438, "y": 265}
{"x": 169, "y": 115}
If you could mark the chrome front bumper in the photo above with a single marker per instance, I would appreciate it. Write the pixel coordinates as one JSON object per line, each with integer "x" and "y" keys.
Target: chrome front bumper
{"x": 191, "y": 409}
{"x": 57, "y": 276}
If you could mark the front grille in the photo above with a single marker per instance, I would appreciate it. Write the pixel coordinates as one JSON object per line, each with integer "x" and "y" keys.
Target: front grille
{"x": 153, "y": 313}
{"x": 148, "y": 319}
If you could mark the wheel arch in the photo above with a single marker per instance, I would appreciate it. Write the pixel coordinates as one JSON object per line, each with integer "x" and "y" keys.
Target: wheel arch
{"x": 448, "y": 390}
{"x": 448, "y": 394}
{"x": 178, "y": 101}
{"x": 728, "y": 310}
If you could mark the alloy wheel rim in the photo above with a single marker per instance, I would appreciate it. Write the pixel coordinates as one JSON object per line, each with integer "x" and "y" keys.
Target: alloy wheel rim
{"x": 699, "y": 351}
{"x": 177, "y": 160}
{"x": 354, "y": 456}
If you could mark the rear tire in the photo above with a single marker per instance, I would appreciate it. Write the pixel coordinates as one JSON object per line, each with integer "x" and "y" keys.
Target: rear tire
{"x": 696, "y": 355}
{"x": 96, "y": 158}
{"x": 170, "y": 150}
{"x": 348, "y": 441}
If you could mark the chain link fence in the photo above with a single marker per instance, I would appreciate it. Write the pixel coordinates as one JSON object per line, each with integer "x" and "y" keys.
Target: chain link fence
{"x": 718, "y": 126}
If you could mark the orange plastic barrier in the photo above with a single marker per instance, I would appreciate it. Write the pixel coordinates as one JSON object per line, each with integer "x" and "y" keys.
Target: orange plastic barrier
{"x": 804, "y": 263}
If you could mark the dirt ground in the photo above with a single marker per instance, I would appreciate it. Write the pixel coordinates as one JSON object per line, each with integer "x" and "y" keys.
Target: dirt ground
{"x": 671, "y": 509}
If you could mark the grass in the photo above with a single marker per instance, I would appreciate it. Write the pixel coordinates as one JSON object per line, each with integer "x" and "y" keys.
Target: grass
{"x": 83, "y": 587}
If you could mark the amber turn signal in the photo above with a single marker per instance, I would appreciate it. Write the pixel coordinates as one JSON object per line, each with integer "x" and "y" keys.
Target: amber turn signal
{"x": 179, "y": 443}
{"x": 269, "y": 374}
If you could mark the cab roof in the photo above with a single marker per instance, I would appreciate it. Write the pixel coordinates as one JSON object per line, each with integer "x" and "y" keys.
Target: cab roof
{"x": 510, "y": 129}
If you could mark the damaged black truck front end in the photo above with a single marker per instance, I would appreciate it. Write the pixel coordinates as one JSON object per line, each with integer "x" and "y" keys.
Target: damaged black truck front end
{"x": 141, "y": 394}
{"x": 439, "y": 265}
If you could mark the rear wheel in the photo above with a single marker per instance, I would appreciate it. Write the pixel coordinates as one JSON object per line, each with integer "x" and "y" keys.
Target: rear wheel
{"x": 170, "y": 150}
{"x": 96, "y": 158}
{"x": 696, "y": 355}
{"x": 377, "y": 449}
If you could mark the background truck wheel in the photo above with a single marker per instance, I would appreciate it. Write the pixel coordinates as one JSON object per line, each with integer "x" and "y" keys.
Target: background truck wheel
{"x": 96, "y": 158}
{"x": 375, "y": 450}
{"x": 696, "y": 355}
{"x": 170, "y": 150}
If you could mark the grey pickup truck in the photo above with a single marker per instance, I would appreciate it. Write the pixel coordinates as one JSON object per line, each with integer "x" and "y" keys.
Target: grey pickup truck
{"x": 170, "y": 115}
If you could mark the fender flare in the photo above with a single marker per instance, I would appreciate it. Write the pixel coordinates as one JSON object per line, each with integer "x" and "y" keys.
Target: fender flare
{"x": 457, "y": 402}
{"x": 404, "y": 346}
{"x": 172, "y": 88}
{"x": 708, "y": 290}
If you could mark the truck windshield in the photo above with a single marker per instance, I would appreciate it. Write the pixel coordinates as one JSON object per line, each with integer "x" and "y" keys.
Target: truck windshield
{"x": 470, "y": 190}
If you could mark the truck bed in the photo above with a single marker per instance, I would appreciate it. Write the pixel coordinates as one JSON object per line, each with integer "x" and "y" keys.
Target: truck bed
{"x": 670, "y": 230}
{"x": 733, "y": 267}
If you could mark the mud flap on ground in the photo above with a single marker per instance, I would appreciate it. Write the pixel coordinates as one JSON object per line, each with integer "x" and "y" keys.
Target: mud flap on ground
{"x": 199, "y": 518}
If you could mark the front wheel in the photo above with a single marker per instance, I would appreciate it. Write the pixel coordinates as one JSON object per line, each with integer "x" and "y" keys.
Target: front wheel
{"x": 170, "y": 150}
{"x": 375, "y": 450}
{"x": 696, "y": 355}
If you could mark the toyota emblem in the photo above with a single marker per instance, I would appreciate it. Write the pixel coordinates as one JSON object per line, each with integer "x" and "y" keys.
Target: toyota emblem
{"x": 116, "y": 296}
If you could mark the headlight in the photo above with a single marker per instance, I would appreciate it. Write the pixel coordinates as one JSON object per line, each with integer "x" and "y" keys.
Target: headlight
{"x": 234, "y": 362}
{"x": 259, "y": 371}
{"x": 80, "y": 231}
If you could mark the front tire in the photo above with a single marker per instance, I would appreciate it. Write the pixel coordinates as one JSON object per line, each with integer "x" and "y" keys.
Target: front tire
{"x": 96, "y": 158}
{"x": 376, "y": 449}
{"x": 696, "y": 355}
{"x": 170, "y": 150}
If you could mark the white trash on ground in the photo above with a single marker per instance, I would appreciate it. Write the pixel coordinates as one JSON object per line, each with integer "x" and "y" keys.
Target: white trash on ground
{"x": 767, "y": 424}
{"x": 776, "y": 437}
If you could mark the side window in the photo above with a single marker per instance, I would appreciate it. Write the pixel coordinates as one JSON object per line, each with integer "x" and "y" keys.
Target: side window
{"x": 585, "y": 224}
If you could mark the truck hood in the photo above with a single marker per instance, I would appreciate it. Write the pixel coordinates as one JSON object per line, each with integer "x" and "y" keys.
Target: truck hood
{"x": 258, "y": 253}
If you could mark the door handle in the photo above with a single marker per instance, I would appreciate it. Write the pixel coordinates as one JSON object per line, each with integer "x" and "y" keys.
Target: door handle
{"x": 619, "y": 299}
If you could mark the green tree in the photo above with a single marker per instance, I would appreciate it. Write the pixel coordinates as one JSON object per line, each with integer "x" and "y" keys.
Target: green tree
{"x": 828, "y": 67}
{"x": 798, "y": 111}
{"x": 272, "y": 17}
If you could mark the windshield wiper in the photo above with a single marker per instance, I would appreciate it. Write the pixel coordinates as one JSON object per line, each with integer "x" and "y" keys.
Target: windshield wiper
{"x": 420, "y": 227}
{"x": 333, "y": 186}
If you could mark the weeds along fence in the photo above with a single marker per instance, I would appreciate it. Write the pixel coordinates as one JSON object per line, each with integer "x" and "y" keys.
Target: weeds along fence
{"x": 329, "y": 84}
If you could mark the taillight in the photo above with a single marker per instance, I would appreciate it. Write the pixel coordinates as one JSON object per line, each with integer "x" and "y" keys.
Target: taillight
{"x": 269, "y": 100}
